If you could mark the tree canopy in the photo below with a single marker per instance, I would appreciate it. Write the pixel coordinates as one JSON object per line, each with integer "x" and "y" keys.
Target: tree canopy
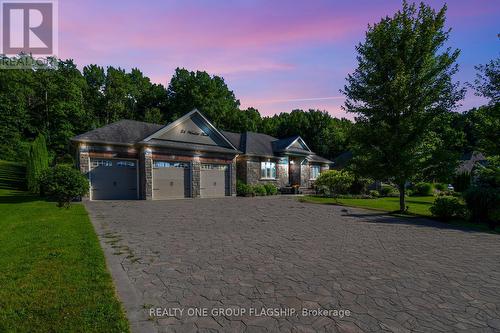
{"x": 400, "y": 91}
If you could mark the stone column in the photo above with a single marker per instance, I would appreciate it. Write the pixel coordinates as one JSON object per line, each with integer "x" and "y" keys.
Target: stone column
{"x": 148, "y": 174}
{"x": 233, "y": 177}
{"x": 195, "y": 177}
{"x": 84, "y": 165}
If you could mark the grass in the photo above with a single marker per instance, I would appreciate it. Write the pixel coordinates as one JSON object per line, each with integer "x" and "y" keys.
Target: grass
{"x": 417, "y": 206}
{"x": 53, "y": 275}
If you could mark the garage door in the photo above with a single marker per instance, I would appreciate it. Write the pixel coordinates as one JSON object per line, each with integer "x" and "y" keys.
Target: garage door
{"x": 214, "y": 180}
{"x": 171, "y": 180}
{"x": 113, "y": 179}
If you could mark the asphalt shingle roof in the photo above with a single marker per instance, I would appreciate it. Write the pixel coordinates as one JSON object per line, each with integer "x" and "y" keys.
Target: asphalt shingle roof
{"x": 131, "y": 132}
{"x": 123, "y": 131}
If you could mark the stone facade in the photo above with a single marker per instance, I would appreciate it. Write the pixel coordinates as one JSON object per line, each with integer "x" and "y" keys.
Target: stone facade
{"x": 249, "y": 171}
{"x": 84, "y": 164}
{"x": 195, "y": 178}
{"x": 233, "y": 174}
{"x": 148, "y": 174}
{"x": 244, "y": 168}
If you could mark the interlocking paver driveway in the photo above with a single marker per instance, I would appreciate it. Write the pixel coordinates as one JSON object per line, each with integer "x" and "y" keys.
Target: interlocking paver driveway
{"x": 393, "y": 274}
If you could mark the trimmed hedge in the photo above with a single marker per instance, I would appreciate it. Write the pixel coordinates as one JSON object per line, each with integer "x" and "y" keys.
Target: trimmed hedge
{"x": 38, "y": 162}
{"x": 246, "y": 190}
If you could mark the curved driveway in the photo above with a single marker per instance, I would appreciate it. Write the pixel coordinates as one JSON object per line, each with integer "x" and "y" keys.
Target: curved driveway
{"x": 378, "y": 273}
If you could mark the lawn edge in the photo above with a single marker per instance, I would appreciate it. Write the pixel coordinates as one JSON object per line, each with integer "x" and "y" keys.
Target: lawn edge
{"x": 467, "y": 226}
{"x": 125, "y": 291}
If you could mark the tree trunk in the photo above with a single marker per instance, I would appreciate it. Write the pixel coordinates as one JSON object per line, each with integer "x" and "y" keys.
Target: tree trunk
{"x": 402, "y": 204}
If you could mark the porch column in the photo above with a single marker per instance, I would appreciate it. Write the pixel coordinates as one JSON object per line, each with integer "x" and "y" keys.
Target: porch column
{"x": 84, "y": 165}
{"x": 148, "y": 174}
{"x": 195, "y": 178}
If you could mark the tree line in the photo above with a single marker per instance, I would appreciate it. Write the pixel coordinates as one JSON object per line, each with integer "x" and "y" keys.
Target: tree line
{"x": 63, "y": 101}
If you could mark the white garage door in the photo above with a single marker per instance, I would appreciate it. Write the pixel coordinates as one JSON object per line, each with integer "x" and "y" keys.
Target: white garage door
{"x": 113, "y": 179}
{"x": 214, "y": 180}
{"x": 171, "y": 180}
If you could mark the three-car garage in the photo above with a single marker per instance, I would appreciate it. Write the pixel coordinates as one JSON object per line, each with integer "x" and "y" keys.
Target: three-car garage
{"x": 129, "y": 160}
{"x": 117, "y": 179}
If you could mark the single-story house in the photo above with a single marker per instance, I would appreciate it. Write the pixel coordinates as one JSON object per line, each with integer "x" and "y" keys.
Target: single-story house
{"x": 188, "y": 158}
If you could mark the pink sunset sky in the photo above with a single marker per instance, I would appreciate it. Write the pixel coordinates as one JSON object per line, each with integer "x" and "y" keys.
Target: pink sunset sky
{"x": 275, "y": 55}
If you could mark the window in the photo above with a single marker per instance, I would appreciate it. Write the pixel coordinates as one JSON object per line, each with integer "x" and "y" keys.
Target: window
{"x": 315, "y": 171}
{"x": 268, "y": 170}
{"x": 162, "y": 164}
{"x": 105, "y": 163}
{"x": 214, "y": 166}
{"x": 125, "y": 164}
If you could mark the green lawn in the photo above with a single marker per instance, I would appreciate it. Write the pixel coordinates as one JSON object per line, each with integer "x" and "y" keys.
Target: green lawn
{"x": 53, "y": 276}
{"x": 417, "y": 205}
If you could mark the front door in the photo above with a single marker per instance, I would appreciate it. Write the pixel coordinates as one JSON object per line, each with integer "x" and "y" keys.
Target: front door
{"x": 294, "y": 171}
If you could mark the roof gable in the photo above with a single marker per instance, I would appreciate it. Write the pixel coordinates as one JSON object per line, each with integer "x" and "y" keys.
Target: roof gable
{"x": 298, "y": 143}
{"x": 191, "y": 128}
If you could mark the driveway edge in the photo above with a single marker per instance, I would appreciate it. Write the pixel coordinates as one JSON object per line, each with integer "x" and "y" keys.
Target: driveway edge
{"x": 127, "y": 294}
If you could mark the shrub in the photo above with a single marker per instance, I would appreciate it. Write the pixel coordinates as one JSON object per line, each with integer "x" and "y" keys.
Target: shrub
{"x": 334, "y": 182}
{"x": 64, "y": 184}
{"x": 259, "y": 190}
{"x": 271, "y": 189}
{"x": 38, "y": 162}
{"x": 360, "y": 185}
{"x": 387, "y": 190}
{"x": 374, "y": 193}
{"x": 423, "y": 189}
{"x": 244, "y": 190}
{"x": 483, "y": 196}
{"x": 447, "y": 208}
{"x": 441, "y": 187}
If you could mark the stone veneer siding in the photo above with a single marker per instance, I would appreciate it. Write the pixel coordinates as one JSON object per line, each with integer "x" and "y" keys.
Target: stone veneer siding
{"x": 249, "y": 171}
{"x": 195, "y": 178}
{"x": 84, "y": 165}
{"x": 147, "y": 156}
{"x": 305, "y": 175}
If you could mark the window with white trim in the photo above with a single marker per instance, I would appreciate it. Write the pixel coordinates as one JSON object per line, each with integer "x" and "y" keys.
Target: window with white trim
{"x": 125, "y": 164}
{"x": 105, "y": 163}
{"x": 163, "y": 164}
{"x": 268, "y": 170}
{"x": 315, "y": 171}
{"x": 213, "y": 166}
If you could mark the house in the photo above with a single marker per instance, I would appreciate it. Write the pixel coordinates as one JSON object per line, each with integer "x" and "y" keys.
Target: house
{"x": 469, "y": 161}
{"x": 188, "y": 158}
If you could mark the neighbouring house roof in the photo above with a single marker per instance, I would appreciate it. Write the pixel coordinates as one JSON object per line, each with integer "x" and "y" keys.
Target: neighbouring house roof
{"x": 469, "y": 160}
{"x": 123, "y": 131}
